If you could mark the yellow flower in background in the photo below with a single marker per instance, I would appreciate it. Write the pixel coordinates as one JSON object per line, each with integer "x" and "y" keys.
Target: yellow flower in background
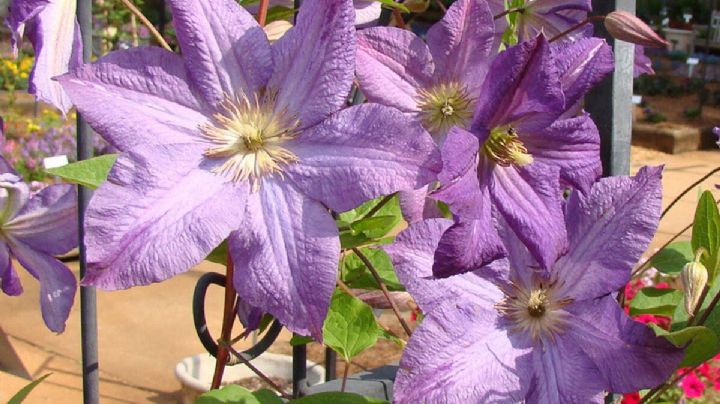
{"x": 32, "y": 126}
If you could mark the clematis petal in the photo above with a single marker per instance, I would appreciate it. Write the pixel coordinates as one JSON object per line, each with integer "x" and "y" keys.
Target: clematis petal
{"x": 459, "y": 185}
{"x": 416, "y": 206}
{"x": 392, "y": 65}
{"x": 501, "y": 24}
{"x": 349, "y": 159}
{"x": 571, "y": 144}
{"x": 315, "y": 61}
{"x": 148, "y": 84}
{"x": 286, "y": 252}
{"x": 609, "y": 229}
{"x": 57, "y": 283}
{"x": 552, "y": 17}
{"x": 412, "y": 255}
{"x": 14, "y": 194}
{"x": 225, "y": 51}
{"x": 55, "y": 36}
{"x": 48, "y": 221}
{"x": 9, "y": 281}
{"x": 524, "y": 268}
{"x": 582, "y": 64}
{"x": 565, "y": 374}
{"x": 462, "y": 43}
{"x": 472, "y": 241}
{"x": 5, "y": 166}
{"x": 627, "y": 353}
{"x": 159, "y": 213}
{"x": 529, "y": 199}
{"x": 19, "y": 14}
{"x": 523, "y": 83}
{"x": 467, "y": 246}
{"x": 462, "y": 353}
{"x": 643, "y": 64}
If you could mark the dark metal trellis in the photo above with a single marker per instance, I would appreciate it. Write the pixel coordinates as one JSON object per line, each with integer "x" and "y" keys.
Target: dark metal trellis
{"x": 88, "y": 308}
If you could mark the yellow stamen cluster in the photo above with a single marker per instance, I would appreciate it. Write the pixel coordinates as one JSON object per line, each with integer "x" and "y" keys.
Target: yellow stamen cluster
{"x": 505, "y": 148}
{"x": 249, "y": 134}
{"x": 444, "y": 106}
{"x": 537, "y": 311}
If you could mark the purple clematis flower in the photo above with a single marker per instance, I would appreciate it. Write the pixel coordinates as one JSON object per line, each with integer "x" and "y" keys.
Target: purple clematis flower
{"x": 54, "y": 33}
{"x": 513, "y": 332}
{"x": 240, "y": 140}
{"x": 436, "y": 83}
{"x": 643, "y": 64}
{"x": 525, "y": 143}
{"x": 33, "y": 229}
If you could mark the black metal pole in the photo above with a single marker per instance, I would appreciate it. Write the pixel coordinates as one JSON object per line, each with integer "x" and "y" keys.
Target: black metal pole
{"x": 299, "y": 370}
{"x": 330, "y": 364}
{"x": 610, "y": 102}
{"x": 88, "y": 308}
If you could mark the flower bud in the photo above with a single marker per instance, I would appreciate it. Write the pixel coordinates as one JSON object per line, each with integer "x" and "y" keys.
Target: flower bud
{"x": 627, "y": 27}
{"x": 694, "y": 277}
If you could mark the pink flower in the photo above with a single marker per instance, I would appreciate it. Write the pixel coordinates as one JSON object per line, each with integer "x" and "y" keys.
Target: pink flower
{"x": 692, "y": 386}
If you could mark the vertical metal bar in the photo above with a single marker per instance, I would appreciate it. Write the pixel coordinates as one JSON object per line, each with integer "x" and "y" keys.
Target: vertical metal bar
{"x": 610, "y": 103}
{"x": 88, "y": 309}
{"x": 330, "y": 364}
{"x": 299, "y": 369}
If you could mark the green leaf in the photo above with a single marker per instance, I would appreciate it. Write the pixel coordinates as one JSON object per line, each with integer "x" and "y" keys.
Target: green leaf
{"x": 700, "y": 343}
{"x": 21, "y": 395}
{"x": 392, "y": 4}
{"x": 279, "y": 13}
{"x": 391, "y": 208}
{"x": 300, "y": 340}
{"x": 219, "y": 254}
{"x": 382, "y": 333}
{"x": 334, "y": 397}
{"x": 90, "y": 173}
{"x": 660, "y": 302}
{"x": 350, "y": 326}
{"x": 375, "y": 226}
{"x": 356, "y": 275}
{"x": 235, "y": 394}
{"x": 671, "y": 259}
{"x": 706, "y": 232}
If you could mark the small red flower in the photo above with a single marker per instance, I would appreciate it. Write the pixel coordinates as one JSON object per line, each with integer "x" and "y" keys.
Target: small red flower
{"x": 631, "y": 398}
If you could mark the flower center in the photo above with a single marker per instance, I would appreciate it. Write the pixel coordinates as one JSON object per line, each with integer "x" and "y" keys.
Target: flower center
{"x": 537, "y": 311}
{"x": 249, "y": 135}
{"x": 505, "y": 148}
{"x": 443, "y": 106}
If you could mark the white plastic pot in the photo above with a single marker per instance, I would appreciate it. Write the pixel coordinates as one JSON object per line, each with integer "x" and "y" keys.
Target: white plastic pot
{"x": 195, "y": 372}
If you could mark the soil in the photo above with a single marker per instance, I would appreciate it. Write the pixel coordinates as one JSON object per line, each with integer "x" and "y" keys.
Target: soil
{"x": 255, "y": 383}
{"x": 674, "y": 107}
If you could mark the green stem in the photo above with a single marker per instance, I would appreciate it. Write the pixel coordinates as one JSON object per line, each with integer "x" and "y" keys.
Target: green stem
{"x": 509, "y": 11}
{"x": 345, "y": 376}
{"x": 375, "y": 209}
{"x": 576, "y": 26}
{"x": 384, "y": 289}
{"x": 688, "y": 189}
